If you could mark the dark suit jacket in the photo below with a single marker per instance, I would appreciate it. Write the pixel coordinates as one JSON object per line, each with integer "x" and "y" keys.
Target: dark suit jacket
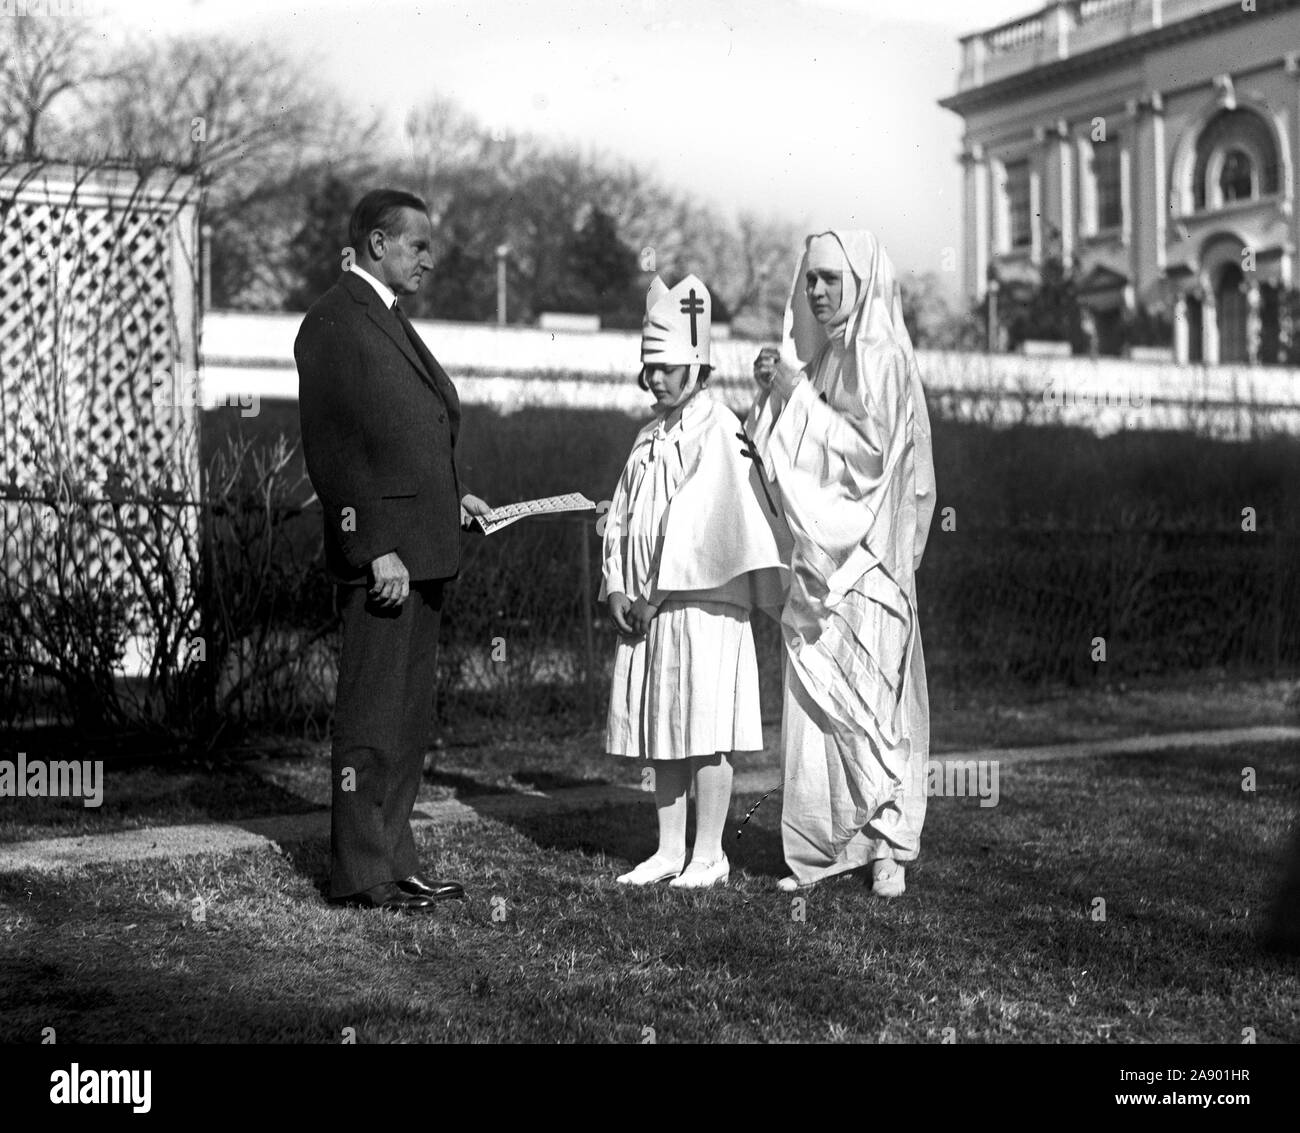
{"x": 379, "y": 421}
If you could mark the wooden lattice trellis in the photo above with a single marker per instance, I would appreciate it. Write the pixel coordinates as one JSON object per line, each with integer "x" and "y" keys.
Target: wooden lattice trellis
{"x": 98, "y": 362}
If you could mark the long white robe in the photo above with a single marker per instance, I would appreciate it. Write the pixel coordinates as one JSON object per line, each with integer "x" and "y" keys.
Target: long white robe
{"x": 850, "y": 453}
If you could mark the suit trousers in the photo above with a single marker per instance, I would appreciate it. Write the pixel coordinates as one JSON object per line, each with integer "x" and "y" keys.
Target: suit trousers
{"x": 382, "y": 711}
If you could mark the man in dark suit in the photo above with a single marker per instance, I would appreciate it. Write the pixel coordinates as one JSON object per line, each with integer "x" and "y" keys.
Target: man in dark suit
{"x": 379, "y": 422}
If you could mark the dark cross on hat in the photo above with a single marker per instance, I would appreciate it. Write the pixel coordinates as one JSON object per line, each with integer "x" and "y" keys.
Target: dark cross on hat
{"x": 693, "y": 306}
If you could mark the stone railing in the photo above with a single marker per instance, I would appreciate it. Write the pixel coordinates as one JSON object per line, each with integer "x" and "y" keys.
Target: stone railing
{"x": 250, "y": 357}
{"x": 1063, "y": 29}
{"x": 1019, "y": 36}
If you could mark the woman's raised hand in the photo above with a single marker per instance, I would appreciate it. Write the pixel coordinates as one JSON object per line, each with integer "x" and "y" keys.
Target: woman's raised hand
{"x": 769, "y": 358}
{"x": 774, "y": 375}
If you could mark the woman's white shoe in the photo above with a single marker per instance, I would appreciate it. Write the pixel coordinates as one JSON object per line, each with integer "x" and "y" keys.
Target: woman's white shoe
{"x": 697, "y": 876}
{"x": 886, "y": 878}
{"x": 791, "y": 885}
{"x": 652, "y": 870}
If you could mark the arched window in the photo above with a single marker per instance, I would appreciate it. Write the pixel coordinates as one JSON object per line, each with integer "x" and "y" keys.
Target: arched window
{"x": 1236, "y": 160}
{"x": 1237, "y": 181}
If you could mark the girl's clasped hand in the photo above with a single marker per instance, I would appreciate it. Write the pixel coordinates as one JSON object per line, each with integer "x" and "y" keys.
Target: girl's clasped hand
{"x": 631, "y": 618}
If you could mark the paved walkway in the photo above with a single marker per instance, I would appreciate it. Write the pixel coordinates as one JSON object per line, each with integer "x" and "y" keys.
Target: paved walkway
{"x": 53, "y": 855}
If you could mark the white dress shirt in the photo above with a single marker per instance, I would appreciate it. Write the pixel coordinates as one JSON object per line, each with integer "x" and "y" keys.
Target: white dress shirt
{"x": 383, "y": 290}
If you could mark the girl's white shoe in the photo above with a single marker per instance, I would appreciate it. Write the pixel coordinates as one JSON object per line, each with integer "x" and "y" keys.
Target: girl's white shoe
{"x": 652, "y": 870}
{"x": 698, "y": 876}
{"x": 791, "y": 885}
{"x": 886, "y": 878}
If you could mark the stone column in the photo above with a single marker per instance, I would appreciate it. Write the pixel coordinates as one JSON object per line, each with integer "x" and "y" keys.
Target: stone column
{"x": 975, "y": 220}
{"x": 1064, "y": 161}
{"x": 1036, "y": 218}
{"x": 1210, "y": 328}
{"x": 1145, "y": 195}
{"x": 1046, "y": 200}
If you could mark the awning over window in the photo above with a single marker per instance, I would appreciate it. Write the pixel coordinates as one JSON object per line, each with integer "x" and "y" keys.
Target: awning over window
{"x": 1102, "y": 289}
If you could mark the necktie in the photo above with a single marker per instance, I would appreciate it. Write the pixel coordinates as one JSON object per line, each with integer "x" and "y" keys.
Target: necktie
{"x": 414, "y": 339}
{"x": 420, "y": 351}
{"x": 408, "y": 328}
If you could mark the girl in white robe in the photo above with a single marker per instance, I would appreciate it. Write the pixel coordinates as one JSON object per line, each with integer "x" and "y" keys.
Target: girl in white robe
{"x": 691, "y": 545}
{"x": 842, "y": 429}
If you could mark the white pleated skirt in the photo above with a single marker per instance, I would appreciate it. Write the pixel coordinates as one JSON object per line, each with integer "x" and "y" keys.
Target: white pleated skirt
{"x": 688, "y": 688}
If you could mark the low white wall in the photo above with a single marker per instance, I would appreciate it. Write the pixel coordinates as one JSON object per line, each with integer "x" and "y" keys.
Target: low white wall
{"x": 250, "y": 356}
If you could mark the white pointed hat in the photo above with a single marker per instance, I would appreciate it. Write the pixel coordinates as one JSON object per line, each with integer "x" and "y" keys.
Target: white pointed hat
{"x": 676, "y": 330}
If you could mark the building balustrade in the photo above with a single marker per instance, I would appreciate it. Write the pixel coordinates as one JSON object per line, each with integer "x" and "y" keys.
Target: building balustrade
{"x": 1065, "y": 29}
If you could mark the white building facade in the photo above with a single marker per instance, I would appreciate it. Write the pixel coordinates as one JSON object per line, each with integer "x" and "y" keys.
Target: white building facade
{"x": 1151, "y": 146}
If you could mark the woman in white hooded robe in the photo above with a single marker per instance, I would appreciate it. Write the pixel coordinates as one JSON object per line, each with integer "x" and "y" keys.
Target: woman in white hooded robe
{"x": 841, "y": 428}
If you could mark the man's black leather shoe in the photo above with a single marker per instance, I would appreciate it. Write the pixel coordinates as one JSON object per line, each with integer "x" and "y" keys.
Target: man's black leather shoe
{"x": 432, "y": 889}
{"x": 389, "y": 898}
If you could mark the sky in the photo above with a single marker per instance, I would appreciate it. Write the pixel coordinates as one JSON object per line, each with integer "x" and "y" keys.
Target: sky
{"x": 821, "y": 112}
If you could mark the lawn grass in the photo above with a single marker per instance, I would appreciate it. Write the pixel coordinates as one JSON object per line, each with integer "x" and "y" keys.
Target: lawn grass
{"x": 995, "y": 937}
{"x": 140, "y": 796}
{"x": 275, "y": 775}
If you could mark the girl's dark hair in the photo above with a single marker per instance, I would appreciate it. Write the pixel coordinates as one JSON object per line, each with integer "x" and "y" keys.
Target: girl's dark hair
{"x": 705, "y": 371}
